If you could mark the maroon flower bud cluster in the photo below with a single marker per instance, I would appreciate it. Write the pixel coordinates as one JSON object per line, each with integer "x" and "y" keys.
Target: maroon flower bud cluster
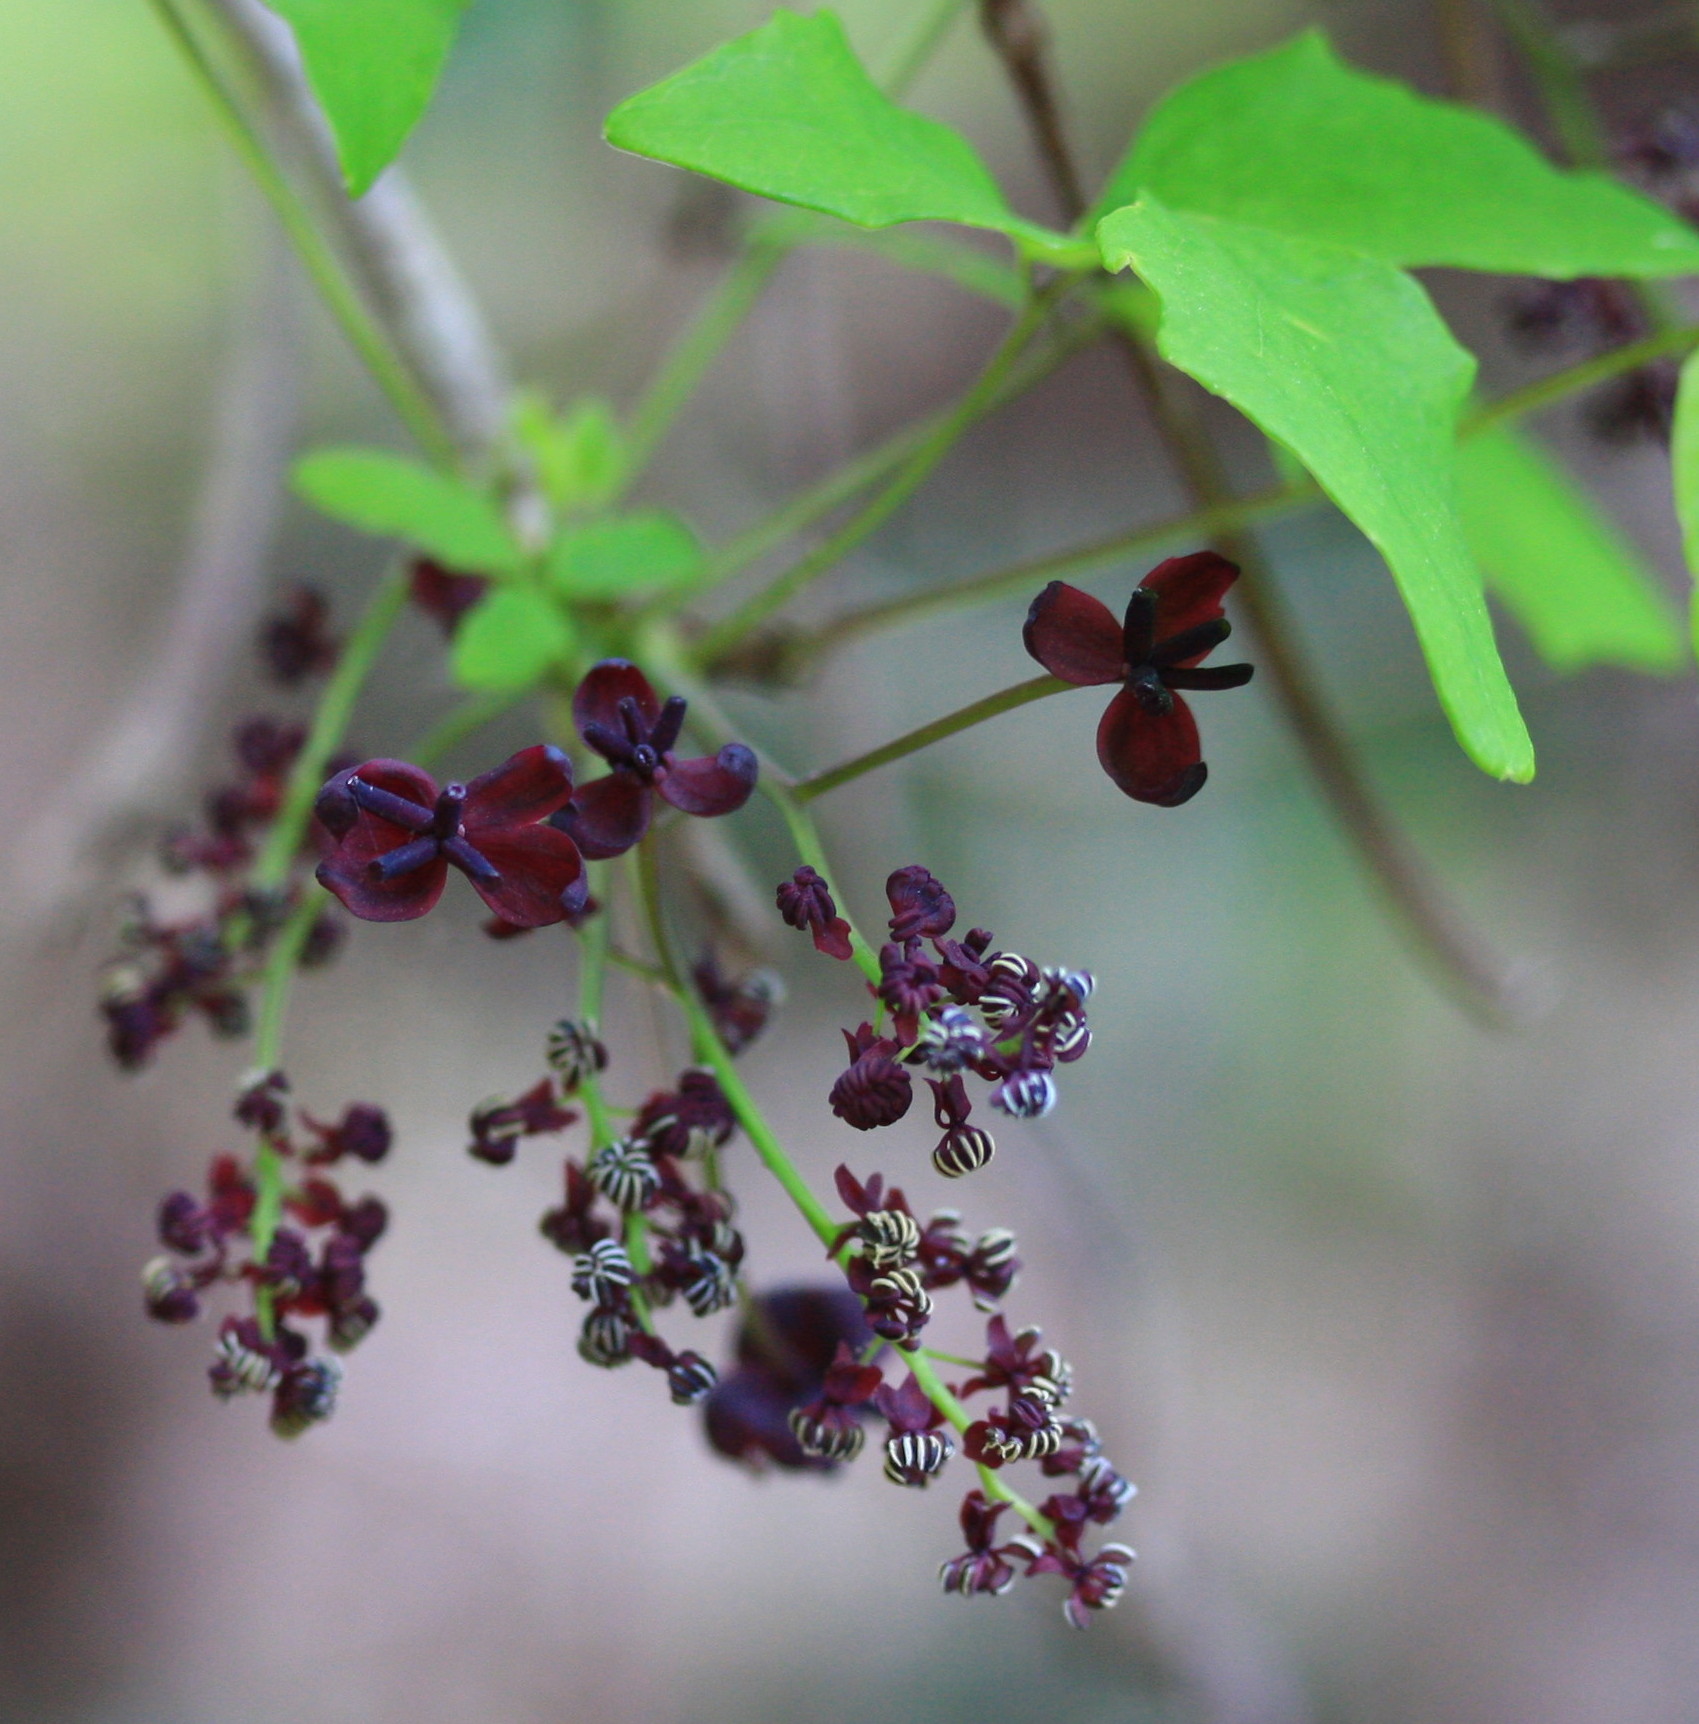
{"x": 295, "y": 643}
{"x": 201, "y": 964}
{"x": 958, "y": 1007}
{"x": 308, "y": 1264}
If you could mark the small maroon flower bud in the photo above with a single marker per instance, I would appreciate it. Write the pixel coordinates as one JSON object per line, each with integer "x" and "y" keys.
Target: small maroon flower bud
{"x": 915, "y": 1458}
{"x": 365, "y": 1221}
{"x": 950, "y": 1041}
{"x": 690, "y": 1379}
{"x": 963, "y": 1149}
{"x": 324, "y": 940}
{"x": 242, "y": 1361}
{"x": 1025, "y": 1095}
{"x": 831, "y": 1435}
{"x": 898, "y": 1305}
{"x": 920, "y": 907}
{"x": 183, "y": 1224}
{"x": 574, "y": 1053}
{"x": 293, "y": 642}
{"x": 573, "y": 1227}
{"x": 259, "y": 1102}
{"x": 874, "y": 1091}
{"x": 711, "y": 1285}
{"x": 350, "y": 1324}
{"x": 688, "y": 1122}
{"x": 908, "y": 985}
{"x": 890, "y": 1238}
{"x": 740, "y": 1008}
{"x": 805, "y": 902}
{"x": 288, "y": 1264}
{"x": 624, "y": 1174}
{"x": 169, "y": 1293}
{"x": 992, "y": 1266}
{"x": 605, "y": 1339}
{"x": 306, "y": 1396}
{"x": 442, "y": 595}
{"x": 342, "y": 1271}
{"x": 603, "y": 1274}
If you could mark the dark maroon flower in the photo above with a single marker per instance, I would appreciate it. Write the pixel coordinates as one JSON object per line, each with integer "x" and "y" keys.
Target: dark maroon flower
{"x": 985, "y": 1567}
{"x": 1148, "y": 740}
{"x": 260, "y": 1101}
{"x": 1637, "y": 407}
{"x": 963, "y": 1148}
{"x": 498, "y": 1125}
{"x": 1586, "y": 314}
{"x": 396, "y": 834}
{"x": 618, "y": 715}
{"x": 920, "y": 907}
{"x": 442, "y": 595}
{"x": 363, "y": 1132}
{"x": 828, "y": 1427}
{"x": 688, "y": 1121}
{"x": 874, "y": 1090}
{"x": 1097, "y": 1584}
{"x": 805, "y": 901}
{"x": 786, "y": 1342}
{"x": 294, "y": 643}
{"x": 573, "y": 1227}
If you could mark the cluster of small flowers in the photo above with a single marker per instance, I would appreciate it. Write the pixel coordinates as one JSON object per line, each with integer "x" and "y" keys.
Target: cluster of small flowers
{"x": 663, "y": 1170}
{"x": 808, "y": 1372}
{"x": 212, "y": 1241}
{"x": 166, "y": 970}
{"x": 961, "y": 1008}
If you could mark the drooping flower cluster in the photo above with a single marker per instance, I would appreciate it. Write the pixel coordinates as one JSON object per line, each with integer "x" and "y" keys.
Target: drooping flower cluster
{"x": 958, "y": 1007}
{"x": 306, "y": 1263}
{"x": 201, "y": 964}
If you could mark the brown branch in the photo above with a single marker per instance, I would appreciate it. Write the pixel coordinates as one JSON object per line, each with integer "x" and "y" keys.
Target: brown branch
{"x": 1018, "y": 34}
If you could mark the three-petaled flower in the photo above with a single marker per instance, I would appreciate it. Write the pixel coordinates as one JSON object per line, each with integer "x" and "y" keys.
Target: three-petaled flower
{"x": 619, "y": 715}
{"x": 1147, "y": 740}
{"x": 396, "y": 834}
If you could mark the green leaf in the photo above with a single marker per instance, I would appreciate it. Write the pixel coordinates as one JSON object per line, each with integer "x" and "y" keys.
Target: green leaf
{"x": 626, "y": 554}
{"x": 580, "y": 455}
{"x": 373, "y": 65}
{"x": 1558, "y": 565}
{"x": 1684, "y": 463}
{"x": 1343, "y": 359}
{"x": 788, "y": 112}
{"x": 402, "y": 499}
{"x": 1297, "y": 141}
{"x": 508, "y": 640}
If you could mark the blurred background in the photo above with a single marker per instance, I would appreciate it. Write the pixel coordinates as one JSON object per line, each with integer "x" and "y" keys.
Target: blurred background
{"x": 1394, "y": 1320}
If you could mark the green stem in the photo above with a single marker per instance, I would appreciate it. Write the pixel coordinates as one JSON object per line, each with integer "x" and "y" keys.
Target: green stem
{"x": 317, "y": 256}
{"x": 946, "y": 430}
{"x": 711, "y": 1050}
{"x": 1548, "y": 390}
{"x": 938, "y": 1393}
{"x": 359, "y": 652}
{"x": 1005, "y": 700}
{"x": 455, "y": 727}
{"x": 1561, "y": 81}
{"x": 276, "y": 981}
{"x": 592, "y": 974}
{"x": 691, "y": 358}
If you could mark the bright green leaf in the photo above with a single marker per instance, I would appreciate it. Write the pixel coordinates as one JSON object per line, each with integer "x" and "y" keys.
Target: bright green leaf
{"x": 373, "y": 65}
{"x": 580, "y": 455}
{"x": 1297, "y": 141}
{"x": 508, "y": 640}
{"x": 626, "y": 554}
{"x": 1684, "y": 462}
{"x": 1344, "y": 359}
{"x": 1558, "y": 565}
{"x": 788, "y": 111}
{"x": 403, "y": 499}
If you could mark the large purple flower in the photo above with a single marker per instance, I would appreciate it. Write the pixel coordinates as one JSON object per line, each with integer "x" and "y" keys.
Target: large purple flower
{"x": 1147, "y": 740}
{"x": 396, "y": 833}
{"x": 619, "y": 715}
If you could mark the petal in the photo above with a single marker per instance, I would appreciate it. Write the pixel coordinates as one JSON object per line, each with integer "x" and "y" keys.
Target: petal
{"x": 597, "y": 698}
{"x": 346, "y": 873}
{"x": 538, "y": 866}
{"x": 708, "y": 786}
{"x": 411, "y": 783}
{"x": 607, "y": 815}
{"x": 1189, "y": 591}
{"x": 1152, "y": 757}
{"x": 1074, "y": 636}
{"x": 527, "y": 787}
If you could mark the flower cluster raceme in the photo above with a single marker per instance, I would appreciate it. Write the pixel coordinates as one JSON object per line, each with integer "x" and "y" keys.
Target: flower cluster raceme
{"x": 169, "y": 969}
{"x": 307, "y": 1262}
{"x": 955, "y": 1007}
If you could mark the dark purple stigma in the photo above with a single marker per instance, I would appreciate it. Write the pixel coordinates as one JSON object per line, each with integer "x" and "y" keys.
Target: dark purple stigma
{"x": 445, "y": 818}
{"x": 1146, "y": 685}
{"x": 642, "y": 750}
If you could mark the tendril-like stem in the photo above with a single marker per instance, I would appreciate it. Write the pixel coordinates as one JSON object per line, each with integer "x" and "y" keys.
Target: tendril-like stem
{"x": 1005, "y": 700}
